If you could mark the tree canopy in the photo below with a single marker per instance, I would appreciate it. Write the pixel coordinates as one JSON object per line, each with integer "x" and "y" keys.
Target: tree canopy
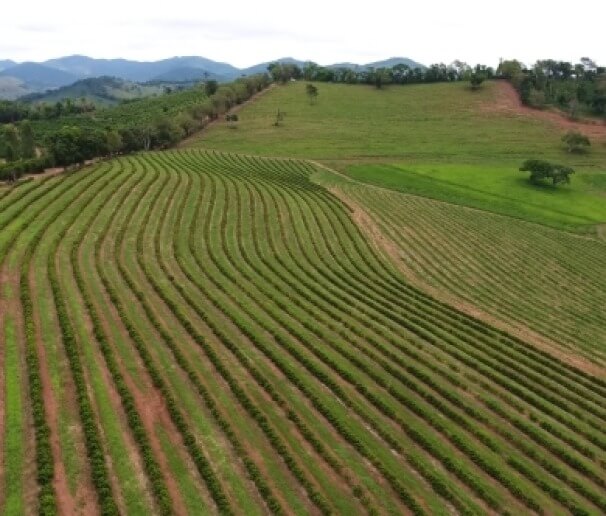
{"x": 312, "y": 92}
{"x": 543, "y": 170}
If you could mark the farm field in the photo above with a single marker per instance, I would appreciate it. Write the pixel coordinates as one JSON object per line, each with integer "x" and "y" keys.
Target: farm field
{"x": 200, "y": 332}
{"x": 515, "y": 271}
{"x": 548, "y": 285}
{"x": 426, "y": 123}
{"x": 501, "y": 189}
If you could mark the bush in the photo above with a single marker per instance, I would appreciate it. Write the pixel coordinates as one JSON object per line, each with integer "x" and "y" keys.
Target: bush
{"x": 576, "y": 141}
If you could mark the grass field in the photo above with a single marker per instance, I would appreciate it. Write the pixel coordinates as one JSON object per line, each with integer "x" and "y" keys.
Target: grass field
{"x": 436, "y": 123}
{"x": 441, "y": 141}
{"x": 497, "y": 188}
{"x": 230, "y": 342}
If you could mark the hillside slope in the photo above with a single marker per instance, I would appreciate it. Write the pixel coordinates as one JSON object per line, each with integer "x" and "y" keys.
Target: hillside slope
{"x": 426, "y": 122}
{"x": 193, "y": 332}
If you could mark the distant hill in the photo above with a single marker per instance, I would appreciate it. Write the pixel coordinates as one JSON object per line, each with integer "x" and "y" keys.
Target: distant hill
{"x": 139, "y": 71}
{"x": 99, "y": 90}
{"x": 28, "y": 78}
{"x": 187, "y": 74}
{"x": 39, "y": 77}
{"x": 386, "y": 63}
{"x": 262, "y": 67}
{"x": 6, "y": 63}
{"x": 12, "y": 88}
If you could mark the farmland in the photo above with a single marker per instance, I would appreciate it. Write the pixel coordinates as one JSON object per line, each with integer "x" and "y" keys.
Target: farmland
{"x": 210, "y": 331}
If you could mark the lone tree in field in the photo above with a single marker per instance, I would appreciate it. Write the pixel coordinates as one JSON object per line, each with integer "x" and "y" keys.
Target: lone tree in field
{"x": 312, "y": 93}
{"x": 576, "y": 142}
{"x": 232, "y": 120}
{"x": 541, "y": 170}
{"x": 279, "y": 117}
{"x": 476, "y": 80}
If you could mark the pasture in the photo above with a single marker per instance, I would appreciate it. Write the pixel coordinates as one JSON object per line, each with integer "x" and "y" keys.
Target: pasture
{"x": 435, "y": 123}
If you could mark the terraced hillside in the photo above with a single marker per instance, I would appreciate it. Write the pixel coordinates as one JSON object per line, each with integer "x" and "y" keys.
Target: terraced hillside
{"x": 193, "y": 332}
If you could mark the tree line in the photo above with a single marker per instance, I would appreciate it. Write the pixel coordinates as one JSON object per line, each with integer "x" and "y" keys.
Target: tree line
{"x": 76, "y": 139}
{"x": 576, "y": 88}
{"x": 379, "y": 77}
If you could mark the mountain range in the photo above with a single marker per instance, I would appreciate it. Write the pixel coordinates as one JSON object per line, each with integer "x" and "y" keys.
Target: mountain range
{"x": 17, "y": 79}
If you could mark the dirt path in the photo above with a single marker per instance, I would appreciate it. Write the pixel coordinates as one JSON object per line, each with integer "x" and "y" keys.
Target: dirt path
{"x": 508, "y": 101}
{"x": 186, "y": 142}
{"x": 389, "y": 248}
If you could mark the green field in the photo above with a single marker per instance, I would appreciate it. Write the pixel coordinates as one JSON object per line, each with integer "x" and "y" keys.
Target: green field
{"x": 137, "y": 112}
{"x": 497, "y": 188}
{"x": 291, "y": 368}
{"x": 437, "y": 123}
{"x": 441, "y": 141}
{"x": 210, "y": 331}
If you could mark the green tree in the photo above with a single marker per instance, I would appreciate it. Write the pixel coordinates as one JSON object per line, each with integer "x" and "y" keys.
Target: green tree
{"x": 114, "y": 142}
{"x": 64, "y": 146}
{"x": 166, "y": 133}
{"x": 210, "y": 87}
{"x": 476, "y": 80}
{"x": 576, "y": 141}
{"x": 12, "y": 143}
{"x": 312, "y": 93}
{"x": 541, "y": 170}
{"x": 509, "y": 68}
{"x": 232, "y": 120}
{"x": 10, "y": 154}
{"x": 28, "y": 146}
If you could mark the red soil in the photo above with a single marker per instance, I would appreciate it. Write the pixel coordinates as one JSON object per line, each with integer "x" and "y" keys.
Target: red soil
{"x": 508, "y": 101}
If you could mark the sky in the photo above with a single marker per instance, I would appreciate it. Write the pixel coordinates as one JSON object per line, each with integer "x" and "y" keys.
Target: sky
{"x": 244, "y": 33}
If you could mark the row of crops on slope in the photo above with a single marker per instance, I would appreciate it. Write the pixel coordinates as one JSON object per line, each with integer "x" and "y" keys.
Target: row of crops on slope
{"x": 205, "y": 332}
{"x": 530, "y": 276}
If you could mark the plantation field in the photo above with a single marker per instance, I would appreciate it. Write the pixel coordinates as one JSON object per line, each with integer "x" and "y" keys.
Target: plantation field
{"x": 442, "y": 142}
{"x": 543, "y": 282}
{"x": 138, "y": 112}
{"x": 200, "y": 332}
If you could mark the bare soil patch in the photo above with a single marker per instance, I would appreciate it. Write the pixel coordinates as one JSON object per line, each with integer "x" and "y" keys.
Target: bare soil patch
{"x": 508, "y": 101}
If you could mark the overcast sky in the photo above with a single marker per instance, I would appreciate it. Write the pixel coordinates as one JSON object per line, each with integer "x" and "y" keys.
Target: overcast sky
{"x": 247, "y": 32}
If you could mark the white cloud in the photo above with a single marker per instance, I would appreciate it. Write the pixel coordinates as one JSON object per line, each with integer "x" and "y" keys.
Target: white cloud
{"x": 244, "y": 32}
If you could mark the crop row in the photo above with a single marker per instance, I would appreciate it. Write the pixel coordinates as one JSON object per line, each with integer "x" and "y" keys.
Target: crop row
{"x": 252, "y": 469}
{"x": 47, "y": 504}
{"x": 285, "y": 343}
